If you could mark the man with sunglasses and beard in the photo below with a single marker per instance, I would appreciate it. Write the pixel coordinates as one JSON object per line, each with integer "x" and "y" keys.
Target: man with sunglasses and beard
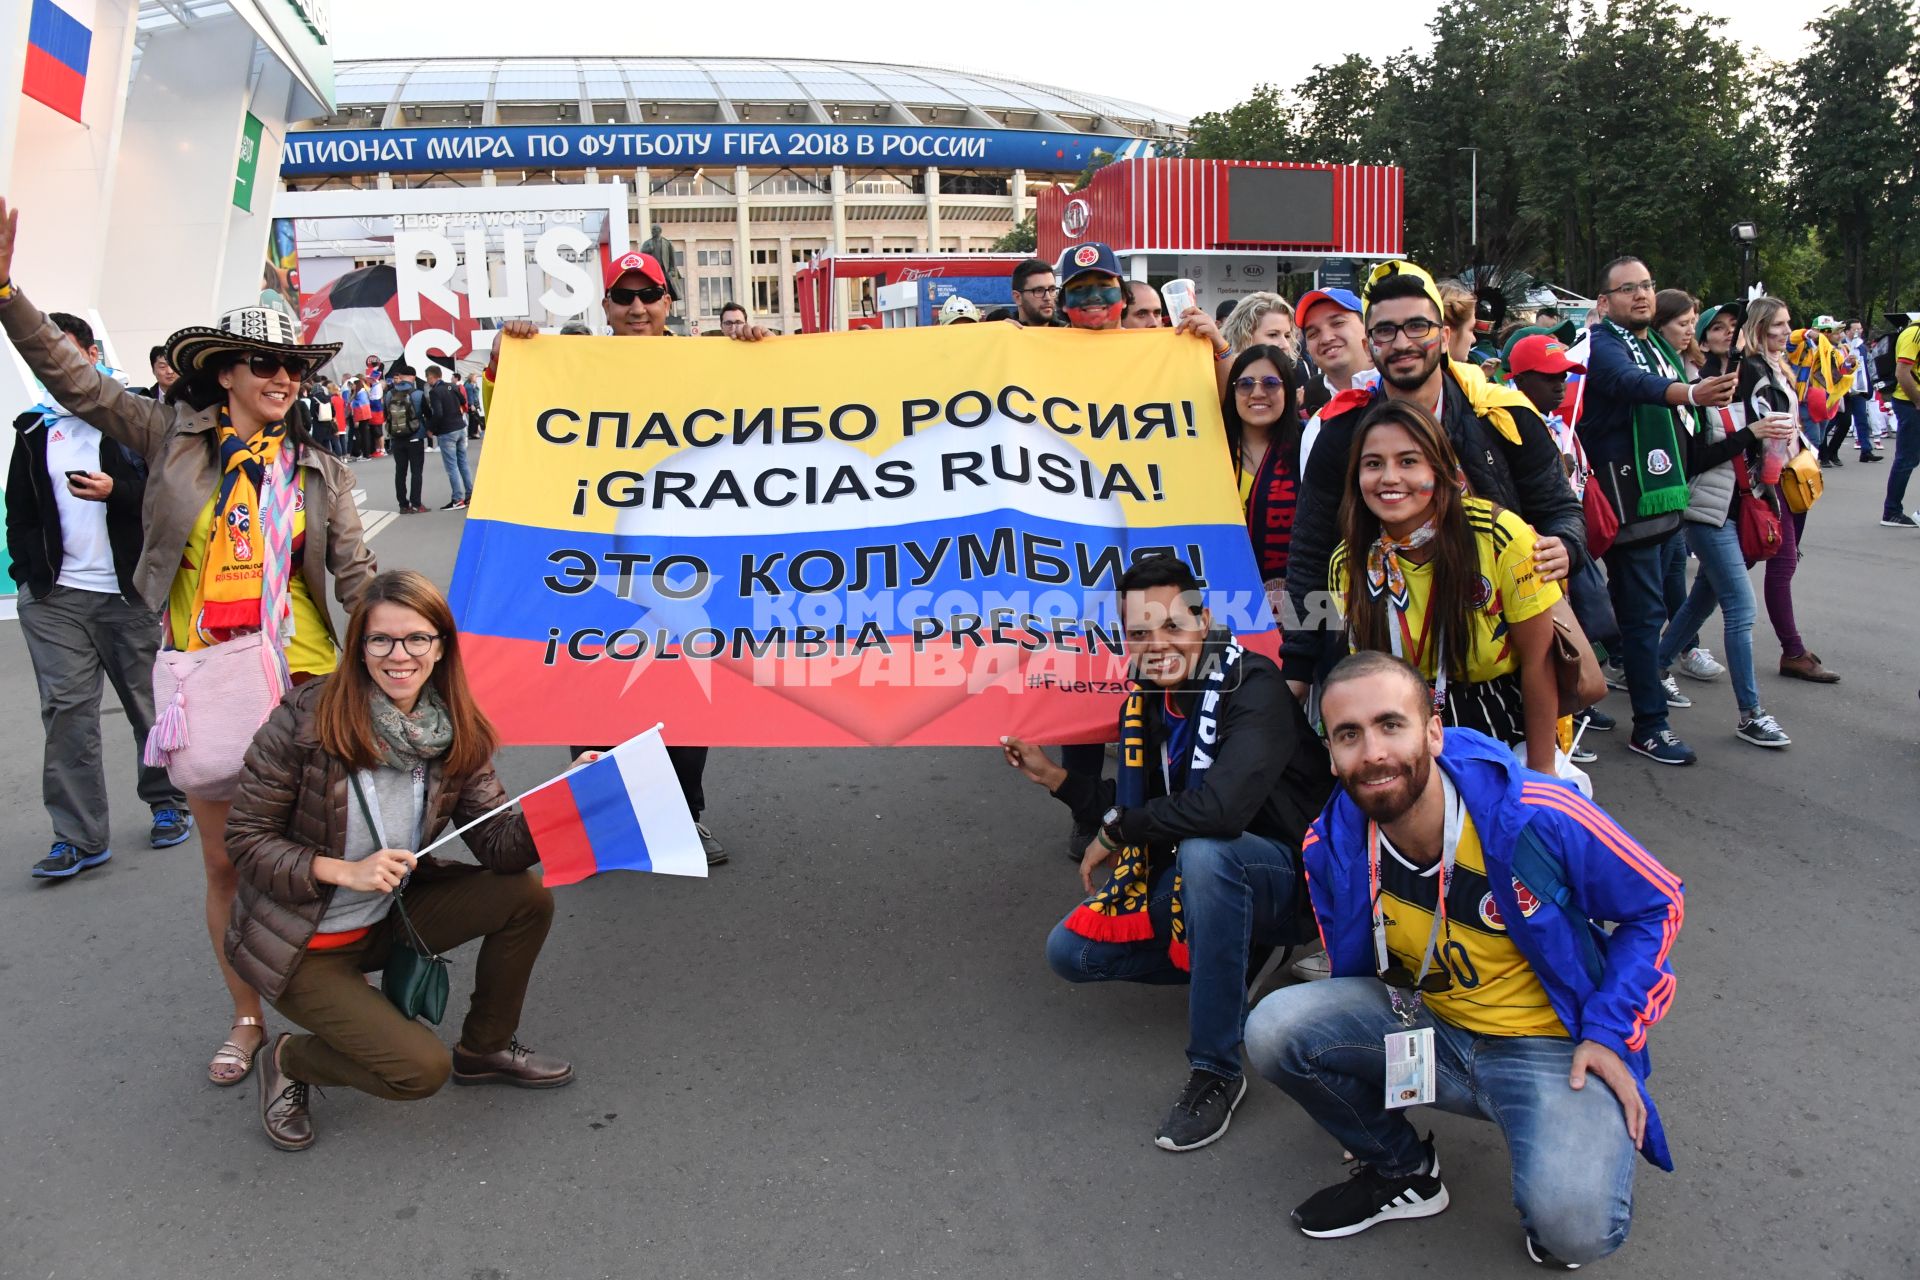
{"x": 1458, "y": 894}
{"x": 1506, "y": 452}
{"x": 639, "y": 297}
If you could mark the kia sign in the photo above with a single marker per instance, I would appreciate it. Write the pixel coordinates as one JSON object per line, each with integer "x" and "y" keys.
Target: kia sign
{"x": 1076, "y": 216}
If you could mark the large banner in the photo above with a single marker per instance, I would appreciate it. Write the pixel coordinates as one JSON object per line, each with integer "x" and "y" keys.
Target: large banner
{"x": 909, "y": 536}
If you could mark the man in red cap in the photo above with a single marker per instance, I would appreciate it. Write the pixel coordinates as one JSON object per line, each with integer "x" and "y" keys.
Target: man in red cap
{"x": 1537, "y": 366}
{"x": 639, "y": 296}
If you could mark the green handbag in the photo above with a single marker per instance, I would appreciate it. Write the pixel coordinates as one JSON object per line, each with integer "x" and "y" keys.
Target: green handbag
{"x": 414, "y": 978}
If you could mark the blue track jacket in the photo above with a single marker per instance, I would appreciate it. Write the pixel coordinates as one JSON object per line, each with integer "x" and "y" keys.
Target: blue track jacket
{"x": 1608, "y": 988}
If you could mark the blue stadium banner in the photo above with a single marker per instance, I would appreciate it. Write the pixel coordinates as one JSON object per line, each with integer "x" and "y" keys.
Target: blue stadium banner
{"x": 348, "y": 151}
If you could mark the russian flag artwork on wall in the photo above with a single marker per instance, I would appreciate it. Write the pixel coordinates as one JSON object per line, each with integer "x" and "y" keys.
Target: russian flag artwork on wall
{"x": 622, "y": 812}
{"x": 59, "y": 38}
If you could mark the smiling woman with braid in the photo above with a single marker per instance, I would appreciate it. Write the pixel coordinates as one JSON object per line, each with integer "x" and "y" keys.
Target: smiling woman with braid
{"x": 1446, "y": 581}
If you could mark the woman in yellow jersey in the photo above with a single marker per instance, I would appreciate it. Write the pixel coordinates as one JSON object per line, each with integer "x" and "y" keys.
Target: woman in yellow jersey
{"x": 213, "y": 450}
{"x": 1446, "y": 581}
{"x": 1263, "y": 438}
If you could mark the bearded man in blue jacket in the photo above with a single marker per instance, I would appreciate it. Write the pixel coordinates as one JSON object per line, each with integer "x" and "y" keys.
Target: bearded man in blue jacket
{"x": 1510, "y": 1002}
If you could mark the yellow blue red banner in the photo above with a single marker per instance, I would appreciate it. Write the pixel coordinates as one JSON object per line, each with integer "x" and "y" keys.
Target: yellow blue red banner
{"x": 899, "y": 537}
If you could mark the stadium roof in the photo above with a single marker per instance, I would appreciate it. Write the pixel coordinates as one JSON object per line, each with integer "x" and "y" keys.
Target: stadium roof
{"x": 728, "y": 90}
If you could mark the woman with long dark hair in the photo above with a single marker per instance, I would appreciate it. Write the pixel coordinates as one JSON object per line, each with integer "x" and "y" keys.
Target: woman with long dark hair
{"x": 1263, "y": 439}
{"x": 246, "y": 524}
{"x": 349, "y": 777}
{"x": 1446, "y": 581}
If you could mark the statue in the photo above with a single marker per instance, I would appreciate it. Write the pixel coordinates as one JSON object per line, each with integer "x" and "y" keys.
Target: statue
{"x": 662, "y": 250}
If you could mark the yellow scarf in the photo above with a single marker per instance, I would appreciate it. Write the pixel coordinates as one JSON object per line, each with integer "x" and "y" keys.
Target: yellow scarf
{"x": 233, "y": 569}
{"x": 1490, "y": 400}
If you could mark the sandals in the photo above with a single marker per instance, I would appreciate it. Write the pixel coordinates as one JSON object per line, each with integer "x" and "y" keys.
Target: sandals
{"x": 230, "y": 1055}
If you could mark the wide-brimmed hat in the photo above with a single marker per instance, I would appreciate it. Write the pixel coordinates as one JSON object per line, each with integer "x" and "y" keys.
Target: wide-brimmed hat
{"x": 243, "y": 332}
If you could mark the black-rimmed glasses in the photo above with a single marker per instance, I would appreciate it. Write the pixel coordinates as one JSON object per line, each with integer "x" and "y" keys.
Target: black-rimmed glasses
{"x": 417, "y": 645}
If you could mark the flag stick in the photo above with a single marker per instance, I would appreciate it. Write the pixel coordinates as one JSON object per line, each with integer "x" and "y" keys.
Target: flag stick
{"x": 501, "y": 808}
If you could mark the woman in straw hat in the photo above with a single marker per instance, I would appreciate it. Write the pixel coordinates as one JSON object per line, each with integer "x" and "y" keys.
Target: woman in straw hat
{"x": 245, "y": 522}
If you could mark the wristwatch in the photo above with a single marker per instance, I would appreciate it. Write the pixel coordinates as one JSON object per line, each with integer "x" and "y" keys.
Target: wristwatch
{"x": 1110, "y": 828}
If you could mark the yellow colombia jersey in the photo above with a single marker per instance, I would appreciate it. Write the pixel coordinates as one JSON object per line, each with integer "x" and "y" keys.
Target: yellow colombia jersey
{"x": 1508, "y": 591}
{"x": 1495, "y": 991}
{"x": 311, "y": 648}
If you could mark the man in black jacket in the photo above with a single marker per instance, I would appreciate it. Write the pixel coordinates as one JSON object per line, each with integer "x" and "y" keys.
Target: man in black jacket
{"x": 74, "y": 532}
{"x": 447, "y": 419}
{"x": 1198, "y": 838}
{"x": 1507, "y": 452}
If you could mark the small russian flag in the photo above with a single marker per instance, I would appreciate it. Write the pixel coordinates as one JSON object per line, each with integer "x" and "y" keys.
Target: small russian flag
{"x": 59, "y": 41}
{"x": 622, "y": 812}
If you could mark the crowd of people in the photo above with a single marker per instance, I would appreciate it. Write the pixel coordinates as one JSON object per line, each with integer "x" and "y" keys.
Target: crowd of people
{"x": 1442, "y": 538}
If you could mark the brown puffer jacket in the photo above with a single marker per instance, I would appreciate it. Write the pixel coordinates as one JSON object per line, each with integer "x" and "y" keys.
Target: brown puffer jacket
{"x": 292, "y": 808}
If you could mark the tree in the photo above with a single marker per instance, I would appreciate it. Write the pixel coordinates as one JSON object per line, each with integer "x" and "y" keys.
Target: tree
{"x": 1261, "y": 128}
{"x": 1851, "y": 137}
{"x": 1023, "y": 238}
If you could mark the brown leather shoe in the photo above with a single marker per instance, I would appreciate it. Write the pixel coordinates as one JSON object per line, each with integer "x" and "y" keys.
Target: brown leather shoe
{"x": 515, "y": 1065}
{"x": 283, "y": 1103}
{"x": 1807, "y": 667}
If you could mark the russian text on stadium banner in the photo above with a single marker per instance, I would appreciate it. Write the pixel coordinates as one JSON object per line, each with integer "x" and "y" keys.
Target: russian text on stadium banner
{"x": 909, "y": 536}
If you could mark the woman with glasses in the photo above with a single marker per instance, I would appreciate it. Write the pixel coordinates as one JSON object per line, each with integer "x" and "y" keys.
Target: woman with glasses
{"x": 1263, "y": 439}
{"x": 1447, "y": 582}
{"x": 222, "y": 561}
{"x": 347, "y": 780}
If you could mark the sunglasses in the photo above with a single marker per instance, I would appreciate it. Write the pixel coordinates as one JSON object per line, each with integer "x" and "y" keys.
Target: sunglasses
{"x": 1401, "y": 978}
{"x": 264, "y": 364}
{"x": 1245, "y": 386}
{"x": 648, "y": 294}
{"x": 1091, "y": 295}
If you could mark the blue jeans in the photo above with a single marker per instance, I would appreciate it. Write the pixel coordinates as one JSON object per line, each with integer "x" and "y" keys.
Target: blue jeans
{"x": 1234, "y": 893}
{"x": 1722, "y": 580}
{"x": 1322, "y": 1043}
{"x": 1906, "y": 454}
{"x": 1673, "y": 586}
{"x": 1862, "y": 421}
{"x": 1636, "y": 577}
{"x": 453, "y": 456}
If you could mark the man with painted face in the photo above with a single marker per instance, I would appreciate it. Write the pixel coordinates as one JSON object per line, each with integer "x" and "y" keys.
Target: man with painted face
{"x": 1194, "y": 867}
{"x": 639, "y": 297}
{"x": 1505, "y": 450}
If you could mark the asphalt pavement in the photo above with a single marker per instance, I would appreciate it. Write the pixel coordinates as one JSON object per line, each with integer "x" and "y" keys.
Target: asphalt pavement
{"x": 843, "y": 1054}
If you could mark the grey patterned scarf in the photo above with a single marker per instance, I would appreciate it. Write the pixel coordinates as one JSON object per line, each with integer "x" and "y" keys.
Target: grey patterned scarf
{"x": 411, "y": 739}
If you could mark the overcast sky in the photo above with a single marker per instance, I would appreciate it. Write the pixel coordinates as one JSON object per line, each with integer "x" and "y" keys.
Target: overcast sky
{"x": 1208, "y": 58}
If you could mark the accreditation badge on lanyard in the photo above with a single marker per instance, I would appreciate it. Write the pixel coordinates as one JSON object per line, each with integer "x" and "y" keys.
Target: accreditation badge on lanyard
{"x": 1410, "y": 1052}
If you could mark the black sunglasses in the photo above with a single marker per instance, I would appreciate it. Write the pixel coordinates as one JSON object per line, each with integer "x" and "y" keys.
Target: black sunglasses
{"x": 1401, "y": 978}
{"x": 264, "y": 364}
{"x": 648, "y": 294}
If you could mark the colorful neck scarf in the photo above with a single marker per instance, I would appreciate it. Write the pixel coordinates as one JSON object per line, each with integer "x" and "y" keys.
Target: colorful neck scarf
{"x": 1384, "y": 574}
{"x": 411, "y": 738}
{"x": 1118, "y": 913}
{"x": 233, "y": 569}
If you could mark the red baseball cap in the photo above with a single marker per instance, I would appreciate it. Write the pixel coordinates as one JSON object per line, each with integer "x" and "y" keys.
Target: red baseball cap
{"x": 1541, "y": 353}
{"x": 645, "y": 263}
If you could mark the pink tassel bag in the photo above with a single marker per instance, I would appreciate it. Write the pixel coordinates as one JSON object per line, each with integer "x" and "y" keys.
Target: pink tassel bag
{"x": 210, "y": 702}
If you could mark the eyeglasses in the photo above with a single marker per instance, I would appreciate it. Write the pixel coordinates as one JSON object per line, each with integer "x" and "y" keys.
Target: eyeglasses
{"x": 648, "y": 294}
{"x": 1245, "y": 386}
{"x": 1401, "y": 978}
{"x": 1091, "y": 295}
{"x": 1386, "y": 333}
{"x": 1628, "y": 290}
{"x": 264, "y": 364}
{"x": 1042, "y": 291}
{"x": 417, "y": 645}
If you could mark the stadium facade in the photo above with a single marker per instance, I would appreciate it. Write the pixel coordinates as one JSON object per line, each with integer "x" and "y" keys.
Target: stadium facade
{"x": 748, "y": 165}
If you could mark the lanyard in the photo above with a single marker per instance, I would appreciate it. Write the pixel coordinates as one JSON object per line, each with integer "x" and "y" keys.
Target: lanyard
{"x": 1400, "y": 637}
{"x": 1449, "y": 850}
{"x": 363, "y": 783}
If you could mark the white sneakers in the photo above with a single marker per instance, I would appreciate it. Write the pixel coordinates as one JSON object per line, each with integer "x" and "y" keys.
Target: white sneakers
{"x": 1699, "y": 664}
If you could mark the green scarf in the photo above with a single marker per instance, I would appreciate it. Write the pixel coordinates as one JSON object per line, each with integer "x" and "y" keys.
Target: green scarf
{"x": 410, "y": 739}
{"x": 1659, "y": 463}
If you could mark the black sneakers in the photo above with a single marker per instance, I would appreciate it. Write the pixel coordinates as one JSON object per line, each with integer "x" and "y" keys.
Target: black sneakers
{"x": 1538, "y": 1255}
{"x": 1202, "y": 1114}
{"x": 1367, "y": 1197}
{"x": 64, "y": 861}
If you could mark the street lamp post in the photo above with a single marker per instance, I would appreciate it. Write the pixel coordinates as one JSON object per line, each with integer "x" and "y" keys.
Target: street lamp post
{"x": 1474, "y": 198}
{"x": 1744, "y": 235}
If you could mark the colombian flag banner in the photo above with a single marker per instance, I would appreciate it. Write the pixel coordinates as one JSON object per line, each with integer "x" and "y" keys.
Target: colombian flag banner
{"x": 905, "y": 537}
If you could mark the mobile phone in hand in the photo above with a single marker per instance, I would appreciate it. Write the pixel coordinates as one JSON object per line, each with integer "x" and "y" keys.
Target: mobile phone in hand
{"x": 77, "y": 475}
